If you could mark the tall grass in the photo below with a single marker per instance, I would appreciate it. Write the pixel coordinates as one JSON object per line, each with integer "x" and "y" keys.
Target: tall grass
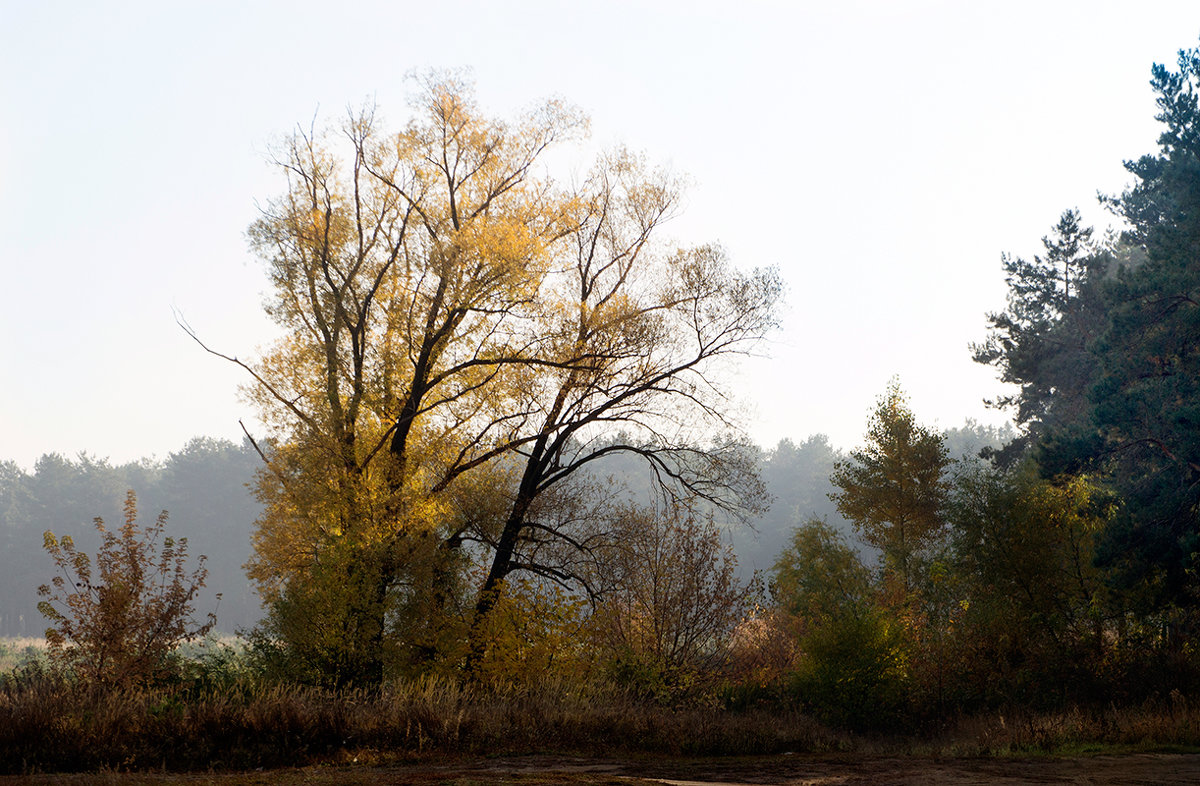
{"x": 50, "y": 725}
{"x": 214, "y": 710}
{"x": 1171, "y": 724}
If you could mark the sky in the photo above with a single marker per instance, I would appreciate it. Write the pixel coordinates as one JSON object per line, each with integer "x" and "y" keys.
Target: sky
{"x": 883, "y": 155}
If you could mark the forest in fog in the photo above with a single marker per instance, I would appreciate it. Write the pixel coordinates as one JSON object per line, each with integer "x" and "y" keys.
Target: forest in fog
{"x": 207, "y": 489}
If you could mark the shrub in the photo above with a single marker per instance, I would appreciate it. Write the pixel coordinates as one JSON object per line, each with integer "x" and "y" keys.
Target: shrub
{"x": 853, "y": 670}
{"x": 118, "y": 624}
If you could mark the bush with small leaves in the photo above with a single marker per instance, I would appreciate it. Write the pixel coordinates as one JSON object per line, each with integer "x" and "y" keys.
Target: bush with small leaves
{"x": 116, "y": 622}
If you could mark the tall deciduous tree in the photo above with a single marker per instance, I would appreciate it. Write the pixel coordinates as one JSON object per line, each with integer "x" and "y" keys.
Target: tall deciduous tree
{"x": 455, "y": 326}
{"x": 403, "y": 268}
{"x": 893, "y": 488}
{"x": 635, "y": 333}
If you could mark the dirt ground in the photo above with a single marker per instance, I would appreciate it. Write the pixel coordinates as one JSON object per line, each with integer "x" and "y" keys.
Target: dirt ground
{"x": 1158, "y": 769}
{"x": 850, "y": 771}
{"x": 795, "y": 771}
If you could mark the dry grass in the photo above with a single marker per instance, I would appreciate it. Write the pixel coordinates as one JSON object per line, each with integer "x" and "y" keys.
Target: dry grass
{"x": 15, "y": 651}
{"x": 1172, "y": 724}
{"x": 48, "y": 726}
{"x": 344, "y": 776}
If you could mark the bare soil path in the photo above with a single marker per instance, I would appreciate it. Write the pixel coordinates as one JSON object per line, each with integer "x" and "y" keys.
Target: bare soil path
{"x": 1159, "y": 769}
{"x": 1165, "y": 769}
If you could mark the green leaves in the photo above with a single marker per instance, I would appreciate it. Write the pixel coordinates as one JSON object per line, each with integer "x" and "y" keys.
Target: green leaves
{"x": 1144, "y": 430}
{"x": 893, "y": 489}
{"x": 819, "y": 575}
{"x": 1041, "y": 340}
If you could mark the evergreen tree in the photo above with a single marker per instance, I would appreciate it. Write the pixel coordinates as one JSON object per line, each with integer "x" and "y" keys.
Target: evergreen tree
{"x": 1144, "y": 433}
{"x": 893, "y": 489}
{"x": 1041, "y": 341}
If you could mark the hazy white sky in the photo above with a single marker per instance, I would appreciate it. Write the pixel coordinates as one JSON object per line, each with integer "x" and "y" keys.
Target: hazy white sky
{"x": 882, "y": 153}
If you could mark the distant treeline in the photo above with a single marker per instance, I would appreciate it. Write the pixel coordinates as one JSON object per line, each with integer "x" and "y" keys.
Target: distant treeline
{"x": 207, "y": 489}
{"x": 204, "y": 486}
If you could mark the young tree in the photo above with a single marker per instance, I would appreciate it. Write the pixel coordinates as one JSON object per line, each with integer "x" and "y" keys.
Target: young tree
{"x": 1036, "y": 606}
{"x": 117, "y": 624}
{"x": 820, "y": 576}
{"x": 893, "y": 489}
{"x": 671, "y": 600}
{"x": 537, "y": 632}
{"x": 852, "y": 664}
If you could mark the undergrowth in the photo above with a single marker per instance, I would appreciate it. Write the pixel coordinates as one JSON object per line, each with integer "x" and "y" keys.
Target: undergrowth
{"x": 48, "y": 724}
{"x": 215, "y": 713}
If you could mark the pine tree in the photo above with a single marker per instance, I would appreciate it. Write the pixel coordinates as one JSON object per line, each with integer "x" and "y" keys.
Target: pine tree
{"x": 1042, "y": 340}
{"x": 893, "y": 489}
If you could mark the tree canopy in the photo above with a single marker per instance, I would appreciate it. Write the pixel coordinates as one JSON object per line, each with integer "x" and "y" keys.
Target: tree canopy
{"x": 457, "y": 325}
{"x": 1116, "y": 394}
